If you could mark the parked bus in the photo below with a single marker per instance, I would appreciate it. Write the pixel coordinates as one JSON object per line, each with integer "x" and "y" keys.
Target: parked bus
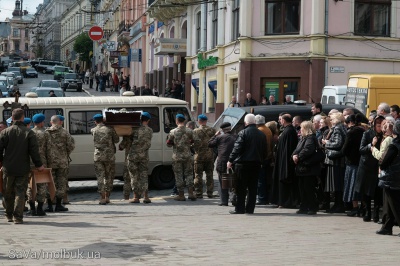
{"x": 365, "y": 92}
{"x": 79, "y": 112}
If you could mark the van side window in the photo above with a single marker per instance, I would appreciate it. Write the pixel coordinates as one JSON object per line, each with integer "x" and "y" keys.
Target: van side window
{"x": 170, "y": 114}
{"x": 153, "y": 111}
{"x": 324, "y": 100}
{"x": 48, "y": 113}
{"x": 81, "y": 122}
{"x": 331, "y": 100}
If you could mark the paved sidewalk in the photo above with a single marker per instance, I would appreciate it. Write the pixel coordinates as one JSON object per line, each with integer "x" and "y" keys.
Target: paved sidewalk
{"x": 93, "y": 92}
{"x": 167, "y": 232}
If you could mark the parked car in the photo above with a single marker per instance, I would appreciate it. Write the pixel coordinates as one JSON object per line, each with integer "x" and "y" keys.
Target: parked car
{"x": 71, "y": 81}
{"x": 3, "y": 88}
{"x": 31, "y": 73}
{"x": 18, "y": 75}
{"x": 45, "y": 92}
{"x": 9, "y": 74}
{"x": 47, "y": 83}
{"x": 12, "y": 86}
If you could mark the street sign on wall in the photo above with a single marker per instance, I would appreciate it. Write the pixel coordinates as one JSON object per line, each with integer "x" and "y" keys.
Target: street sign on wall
{"x": 96, "y": 33}
{"x": 111, "y": 45}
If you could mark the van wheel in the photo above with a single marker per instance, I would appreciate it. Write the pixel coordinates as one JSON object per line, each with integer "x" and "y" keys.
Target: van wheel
{"x": 163, "y": 177}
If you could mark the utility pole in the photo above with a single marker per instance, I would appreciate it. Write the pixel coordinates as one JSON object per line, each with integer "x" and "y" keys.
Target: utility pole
{"x": 203, "y": 37}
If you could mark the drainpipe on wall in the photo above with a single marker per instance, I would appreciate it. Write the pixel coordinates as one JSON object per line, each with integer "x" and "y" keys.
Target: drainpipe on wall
{"x": 326, "y": 39}
{"x": 203, "y": 49}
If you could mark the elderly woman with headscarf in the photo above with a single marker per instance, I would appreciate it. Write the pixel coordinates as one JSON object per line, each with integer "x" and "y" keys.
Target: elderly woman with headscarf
{"x": 367, "y": 176}
{"x": 391, "y": 183}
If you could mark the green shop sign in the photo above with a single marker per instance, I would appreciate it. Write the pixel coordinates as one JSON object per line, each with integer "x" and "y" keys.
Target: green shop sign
{"x": 203, "y": 63}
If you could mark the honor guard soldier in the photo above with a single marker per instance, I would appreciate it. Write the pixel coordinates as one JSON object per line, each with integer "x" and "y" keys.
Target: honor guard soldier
{"x": 181, "y": 138}
{"x": 104, "y": 138}
{"x": 138, "y": 159}
{"x": 204, "y": 157}
{"x": 126, "y": 144}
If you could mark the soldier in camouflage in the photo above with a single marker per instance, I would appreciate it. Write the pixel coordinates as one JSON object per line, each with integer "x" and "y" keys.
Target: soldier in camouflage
{"x": 126, "y": 144}
{"x": 43, "y": 139}
{"x": 104, "y": 138}
{"x": 61, "y": 146}
{"x": 17, "y": 145}
{"x": 181, "y": 138}
{"x": 203, "y": 158}
{"x": 138, "y": 159}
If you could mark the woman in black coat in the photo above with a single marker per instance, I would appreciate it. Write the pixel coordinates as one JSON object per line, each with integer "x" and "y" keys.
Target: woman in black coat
{"x": 391, "y": 185}
{"x": 367, "y": 175}
{"x": 352, "y": 155}
{"x": 307, "y": 174}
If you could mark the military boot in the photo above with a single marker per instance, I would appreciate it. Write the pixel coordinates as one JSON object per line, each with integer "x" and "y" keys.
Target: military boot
{"x": 102, "y": 200}
{"x": 33, "y": 209}
{"x": 180, "y": 196}
{"x": 135, "y": 198}
{"x": 146, "y": 197}
{"x": 65, "y": 199}
{"x": 59, "y": 207}
{"x": 108, "y": 197}
{"x": 49, "y": 206}
{"x": 191, "y": 194}
{"x": 39, "y": 210}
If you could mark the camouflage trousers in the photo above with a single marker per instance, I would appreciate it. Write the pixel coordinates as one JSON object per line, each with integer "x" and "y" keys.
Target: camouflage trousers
{"x": 60, "y": 176}
{"x": 127, "y": 181}
{"x": 183, "y": 169}
{"x": 199, "y": 168}
{"x": 139, "y": 176}
{"x": 41, "y": 192}
{"x": 105, "y": 173}
{"x": 14, "y": 188}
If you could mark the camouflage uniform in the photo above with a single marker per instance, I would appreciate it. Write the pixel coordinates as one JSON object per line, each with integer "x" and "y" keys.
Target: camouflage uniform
{"x": 138, "y": 158}
{"x": 126, "y": 144}
{"x": 43, "y": 139}
{"x": 104, "y": 156}
{"x": 181, "y": 139}
{"x": 203, "y": 159}
{"x": 61, "y": 146}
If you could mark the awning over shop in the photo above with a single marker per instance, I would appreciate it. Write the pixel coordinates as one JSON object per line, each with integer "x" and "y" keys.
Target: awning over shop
{"x": 195, "y": 84}
{"x": 212, "y": 85}
{"x": 115, "y": 65}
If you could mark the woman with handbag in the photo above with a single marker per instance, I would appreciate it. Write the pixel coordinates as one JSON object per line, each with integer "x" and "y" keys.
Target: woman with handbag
{"x": 352, "y": 155}
{"x": 307, "y": 168}
{"x": 389, "y": 180}
{"x": 367, "y": 175}
{"x": 335, "y": 161}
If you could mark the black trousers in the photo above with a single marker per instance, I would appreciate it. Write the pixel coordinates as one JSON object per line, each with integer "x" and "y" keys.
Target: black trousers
{"x": 246, "y": 180}
{"x": 392, "y": 208}
{"x": 308, "y": 193}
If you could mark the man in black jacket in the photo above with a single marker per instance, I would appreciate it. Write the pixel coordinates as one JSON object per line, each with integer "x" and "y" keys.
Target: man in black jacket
{"x": 249, "y": 101}
{"x": 18, "y": 145}
{"x": 224, "y": 143}
{"x": 248, "y": 153}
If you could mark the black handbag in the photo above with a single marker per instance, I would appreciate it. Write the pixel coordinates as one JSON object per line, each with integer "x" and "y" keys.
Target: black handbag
{"x": 332, "y": 154}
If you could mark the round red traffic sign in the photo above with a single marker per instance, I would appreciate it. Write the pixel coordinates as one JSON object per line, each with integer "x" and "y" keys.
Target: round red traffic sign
{"x": 96, "y": 33}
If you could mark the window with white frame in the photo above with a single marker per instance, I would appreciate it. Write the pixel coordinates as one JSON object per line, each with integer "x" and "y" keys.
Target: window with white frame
{"x": 372, "y": 17}
{"x": 282, "y": 17}
{"x": 16, "y": 33}
{"x": 214, "y": 39}
{"x": 198, "y": 31}
{"x": 235, "y": 19}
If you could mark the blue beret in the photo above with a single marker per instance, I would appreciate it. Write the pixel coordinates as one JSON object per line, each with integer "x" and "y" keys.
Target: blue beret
{"x": 38, "y": 118}
{"x": 146, "y": 114}
{"x": 27, "y": 120}
{"x": 61, "y": 117}
{"x": 203, "y": 117}
{"x": 180, "y": 116}
{"x": 97, "y": 116}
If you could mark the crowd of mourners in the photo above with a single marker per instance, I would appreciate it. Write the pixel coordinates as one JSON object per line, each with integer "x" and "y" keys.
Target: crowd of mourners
{"x": 336, "y": 157}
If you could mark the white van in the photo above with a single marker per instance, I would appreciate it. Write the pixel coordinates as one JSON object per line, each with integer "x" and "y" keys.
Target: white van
{"x": 79, "y": 112}
{"x": 334, "y": 94}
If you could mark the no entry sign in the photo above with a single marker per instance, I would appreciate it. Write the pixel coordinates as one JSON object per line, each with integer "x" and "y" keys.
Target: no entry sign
{"x": 96, "y": 33}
